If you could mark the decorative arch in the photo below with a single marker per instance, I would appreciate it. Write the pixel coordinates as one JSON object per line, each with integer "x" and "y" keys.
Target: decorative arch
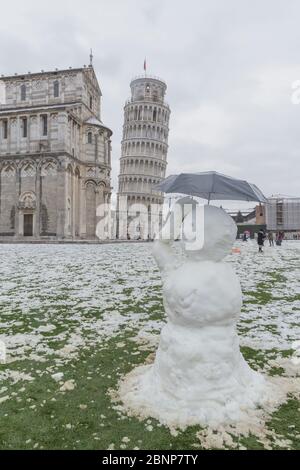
{"x": 70, "y": 169}
{"x": 49, "y": 168}
{"x": 90, "y": 172}
{"x": 90, "y": 183}
{"x": 28, "y": 169}
{"x": 8, "y": 171}
{"x": 27, "y": 200}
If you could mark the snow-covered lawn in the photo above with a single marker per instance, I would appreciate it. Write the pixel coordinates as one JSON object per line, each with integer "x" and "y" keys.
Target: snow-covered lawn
{"x": 76, "y": 318}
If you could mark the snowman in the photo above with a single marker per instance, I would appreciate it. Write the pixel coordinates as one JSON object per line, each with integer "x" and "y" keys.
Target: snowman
{"x": 199, "y": 375}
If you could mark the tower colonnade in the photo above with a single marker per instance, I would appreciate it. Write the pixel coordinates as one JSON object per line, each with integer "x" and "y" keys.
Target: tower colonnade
{"x": 143, "y": 159}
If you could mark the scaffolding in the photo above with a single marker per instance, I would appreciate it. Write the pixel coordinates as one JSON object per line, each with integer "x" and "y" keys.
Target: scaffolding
{"x": 283, "y": 213}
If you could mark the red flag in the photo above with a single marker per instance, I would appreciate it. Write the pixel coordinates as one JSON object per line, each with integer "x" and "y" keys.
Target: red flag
{"x": 145, "y": 65}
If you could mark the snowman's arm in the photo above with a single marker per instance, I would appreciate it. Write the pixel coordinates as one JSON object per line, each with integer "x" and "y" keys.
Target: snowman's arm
{"x": 163, "y": 254}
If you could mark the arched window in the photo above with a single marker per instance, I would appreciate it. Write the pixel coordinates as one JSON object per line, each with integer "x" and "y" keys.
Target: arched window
{"x": 28, "y": 170}
{"x": 44, "y": 125}
{"x": 90, "y": 138}
{"x": 23, "y": 92}
{"x": 24, "y": 127}
{"x": 56, "y": 89}
{"x": 5, "y": 129}
{"x": 49, "y": 169}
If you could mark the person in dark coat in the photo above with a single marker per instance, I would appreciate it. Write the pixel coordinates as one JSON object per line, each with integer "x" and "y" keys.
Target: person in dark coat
{"x": 261, "y": 240}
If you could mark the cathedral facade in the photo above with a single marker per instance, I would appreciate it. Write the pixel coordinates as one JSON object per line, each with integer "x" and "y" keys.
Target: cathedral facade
{"x": 55, "y": 155}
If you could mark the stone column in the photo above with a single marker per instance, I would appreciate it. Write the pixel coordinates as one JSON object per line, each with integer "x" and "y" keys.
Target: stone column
{"x": 61, "y": 200}
{"x": 73, "y": 204}
{"x": 38, "y": 192}
{"x": 82, "y": 215}
{"x": 17, "y": 195}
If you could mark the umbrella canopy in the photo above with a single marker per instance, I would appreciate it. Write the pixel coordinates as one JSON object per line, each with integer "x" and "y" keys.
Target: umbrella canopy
{"x": 212, "y": 186}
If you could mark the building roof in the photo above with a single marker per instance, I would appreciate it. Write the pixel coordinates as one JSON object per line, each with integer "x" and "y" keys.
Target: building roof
{"x": 87, "y": 70}
{"x": 42, "y": 73}
{"x": 283, "y": 197}
{"x": 92, "y": 121}
{"x": 148, "y": 78}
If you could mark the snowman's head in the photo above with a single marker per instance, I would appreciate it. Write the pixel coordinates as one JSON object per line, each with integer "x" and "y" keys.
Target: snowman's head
{"x": 219, "y": 234}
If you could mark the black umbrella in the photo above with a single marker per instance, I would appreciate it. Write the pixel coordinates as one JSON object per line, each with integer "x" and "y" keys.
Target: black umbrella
{"x": 211, "y": 185}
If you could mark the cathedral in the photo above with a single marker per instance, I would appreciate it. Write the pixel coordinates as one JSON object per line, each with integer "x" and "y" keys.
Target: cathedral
{"x": 55, "y": 155}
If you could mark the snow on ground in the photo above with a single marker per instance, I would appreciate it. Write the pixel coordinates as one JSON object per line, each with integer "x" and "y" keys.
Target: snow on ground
{"x": 77, "y": 295}
{"x": 56, "y": 300}
{"x": 271, "y": 288}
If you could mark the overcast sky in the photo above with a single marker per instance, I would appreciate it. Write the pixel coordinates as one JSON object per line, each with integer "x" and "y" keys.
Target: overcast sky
{"x": 229, "y": 66}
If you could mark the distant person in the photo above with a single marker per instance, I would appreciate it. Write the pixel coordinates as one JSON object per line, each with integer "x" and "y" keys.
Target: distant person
{"x": 279, "y": 238}
{"x": 245, "y": 237}
{"x": 271, "y": 238}
{"x": 261, "y": 240}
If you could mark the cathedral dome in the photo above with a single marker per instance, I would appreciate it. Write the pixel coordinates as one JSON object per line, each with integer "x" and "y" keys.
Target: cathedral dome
{"x": 92, "y": 121}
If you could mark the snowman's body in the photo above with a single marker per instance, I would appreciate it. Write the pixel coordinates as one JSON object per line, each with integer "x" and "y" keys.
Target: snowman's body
{"x": 199, "y": 374}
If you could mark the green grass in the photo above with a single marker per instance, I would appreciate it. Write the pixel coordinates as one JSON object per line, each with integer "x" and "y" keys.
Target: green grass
{"x": 99, "y": 425}
{"x": 51, "y": 417}
{"x": 38, "y": 415}
{"x": 286, "y": 422}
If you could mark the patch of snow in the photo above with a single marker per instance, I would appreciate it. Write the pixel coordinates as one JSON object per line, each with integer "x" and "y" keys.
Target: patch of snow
{"x": 68, "y": 386}
{"x": 57, "y": 377}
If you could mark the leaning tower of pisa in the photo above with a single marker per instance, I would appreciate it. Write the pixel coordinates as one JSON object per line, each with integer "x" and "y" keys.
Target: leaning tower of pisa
{"x": 143, "y": 159}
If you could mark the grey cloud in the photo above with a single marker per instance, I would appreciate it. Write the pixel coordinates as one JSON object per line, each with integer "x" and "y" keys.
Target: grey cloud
{"x": 229, "y": 68}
